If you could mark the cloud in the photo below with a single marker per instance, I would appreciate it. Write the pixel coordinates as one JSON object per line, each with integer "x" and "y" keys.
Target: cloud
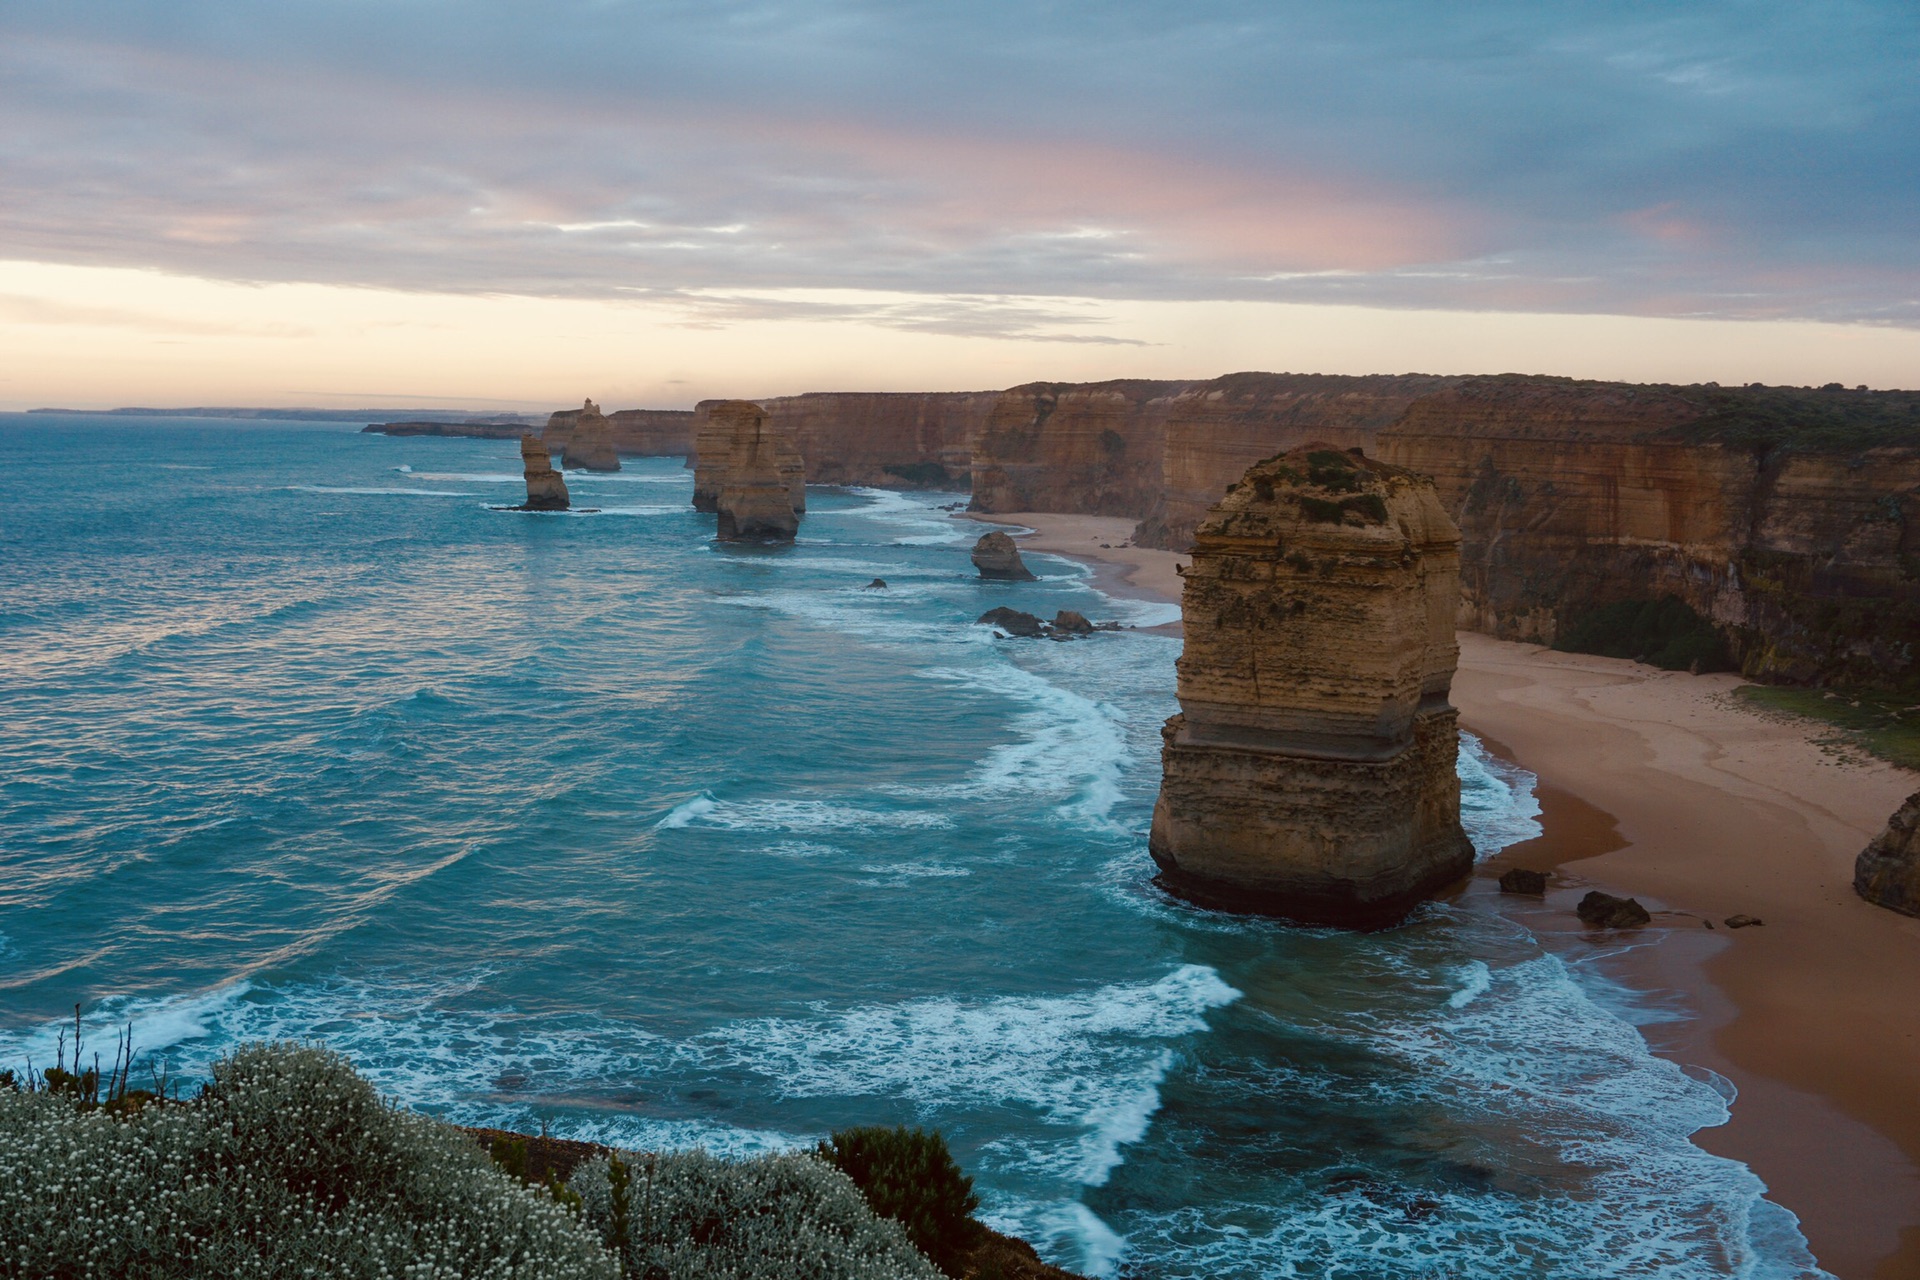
{"x": 1726, "y": 158}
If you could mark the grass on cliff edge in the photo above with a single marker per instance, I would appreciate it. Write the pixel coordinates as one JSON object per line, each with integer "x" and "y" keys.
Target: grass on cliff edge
{"x": 1881, "y": 725}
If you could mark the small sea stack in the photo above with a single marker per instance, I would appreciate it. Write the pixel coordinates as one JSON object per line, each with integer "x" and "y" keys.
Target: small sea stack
{"x": 589, "y": 446}
{"x": 755, "y": 499}
{"x": 546, "y": 489}
{"x": 998, "y": 559}
{"x": 1310, "y": 772}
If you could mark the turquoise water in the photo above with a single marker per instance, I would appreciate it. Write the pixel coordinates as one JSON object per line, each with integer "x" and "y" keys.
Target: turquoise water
{"x": 583, "y": 820}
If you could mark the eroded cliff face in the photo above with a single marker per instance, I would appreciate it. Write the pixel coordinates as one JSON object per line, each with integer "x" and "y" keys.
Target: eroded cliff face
{"x": 636, "y": 433}
{"x": 906, "y": 440}
{"x": 756, "y": 498}
{"x": 589, "y": 445}
{"x": 1570, "y": 495}
{"x": 1095, "y": 445}
{"x": 1215, "y": 430}
{"x": 1310, "y": 772}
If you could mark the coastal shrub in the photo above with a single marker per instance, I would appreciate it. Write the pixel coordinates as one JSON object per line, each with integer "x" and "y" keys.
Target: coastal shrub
{"x": 287, "y": 1164}
{"x": 694, "y": 1216}
{"x": 1665, "y": 633}
{"x": 924, "y": 475}
{"x": 909, "y": 1176}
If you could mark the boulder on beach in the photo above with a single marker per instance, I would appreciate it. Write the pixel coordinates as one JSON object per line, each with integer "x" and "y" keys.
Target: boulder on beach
{"x": 1887, "y": 872}
{"x": 1014, "y": 622}
{"x": 1521, "y": 880}
{"x": 1604, "y": 911}
{"x": 1072, "y": 623}
{"x": 546, "y": 491}
{"x": 998, "y": 559}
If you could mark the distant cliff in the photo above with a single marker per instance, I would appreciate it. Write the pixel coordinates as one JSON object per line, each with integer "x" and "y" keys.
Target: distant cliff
{"x": 894, "y": 440}
{"x": 641, "y": 433}
{"x": 1096, "y": 446}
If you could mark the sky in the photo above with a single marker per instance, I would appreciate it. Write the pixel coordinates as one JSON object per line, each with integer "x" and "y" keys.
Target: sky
{"x": 509, "y": 204}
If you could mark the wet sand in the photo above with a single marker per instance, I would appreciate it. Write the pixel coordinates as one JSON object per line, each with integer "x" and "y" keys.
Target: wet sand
{"x": 1660, "y": 786}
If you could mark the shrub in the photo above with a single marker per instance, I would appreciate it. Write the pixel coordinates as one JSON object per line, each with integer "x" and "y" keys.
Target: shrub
{"x": 693, "y": 1216}
{"x": 909, "y": 1176}
{"x": 287, "y": 1164}
{"x": 1666, "y": 633}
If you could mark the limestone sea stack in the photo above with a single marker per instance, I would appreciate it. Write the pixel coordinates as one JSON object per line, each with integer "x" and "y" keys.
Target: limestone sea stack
{"x": 546, "y": 490}
{"x": 1887, "y": 872}
{"x": 720, "y": 428}
{"x": 755, "y": 499}
{"x": 590, "y": 446}
{"x": 998, "y": 559}
{"x": 1310, "y": 772}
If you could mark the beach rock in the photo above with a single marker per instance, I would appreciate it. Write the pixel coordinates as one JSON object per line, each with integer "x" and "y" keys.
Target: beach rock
{"x": 1604, "y": 911}
{"x": 1743, "y": 922}
{"x": 546, "y": 491}
{"x": 1521, "y": 880}
{"x": 1013, "y": 622}
{"x": 1887, "y": 872}
{"x": 997, "y": 558}
{"x": 1310, "y": 772}
{"x": 589, "y": 447}
{"x": 1072, "y": 623}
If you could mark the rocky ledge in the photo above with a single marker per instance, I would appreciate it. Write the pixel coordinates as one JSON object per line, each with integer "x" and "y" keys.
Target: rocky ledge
{"x": 1887, "y": 872}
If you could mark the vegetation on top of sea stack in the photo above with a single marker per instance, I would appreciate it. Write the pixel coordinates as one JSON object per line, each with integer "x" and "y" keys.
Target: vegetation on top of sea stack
{"x": 909, "y": 1176}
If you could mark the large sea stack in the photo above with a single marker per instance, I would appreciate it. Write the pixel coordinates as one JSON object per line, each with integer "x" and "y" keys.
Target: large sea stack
{"x": 546, "y": 491}
{"x": 589, "y": 446}
{"x": 998, "y": 558}
{"x": 755, "y": 499}
{"x": 720, "y": 430}
{"x": 1310, "y": 772}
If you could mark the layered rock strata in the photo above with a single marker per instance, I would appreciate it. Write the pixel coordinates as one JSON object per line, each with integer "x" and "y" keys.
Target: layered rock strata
{"x": 760, "y": 489}
{"x": 722, "y": 429}
{"x": 1096, "y": 445}
{"x": 996, "y": 557}
{"x": 1310, "y": 771}
{"x": 546, "y": 490}
{"x": 888, "y": 440}
{"x": 633, "y": 432}
{"x": 587, "y": 441}
{"x": 1887, "y": 872}
{"x": 1790, "y": 518}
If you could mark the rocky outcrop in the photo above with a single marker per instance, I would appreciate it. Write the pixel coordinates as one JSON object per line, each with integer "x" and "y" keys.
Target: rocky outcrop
{"x": 586, "y": 440}
{"x": 996, "y": 557}
{"x": 1604, "y": 911}
{"x": 1783, "y": 515}
{"x": 760, "y": 488}
{"x": 722, "y": 429}
{"x": 1887, "y": 872}
{"x": 1310, "y": 772}
{"x": 477, "y": 429}
{"x": 633, "y": 432}
{"x": 546, "y": 490}
{"x": 1095, "y": 445}
{"x": 887, "y": 440}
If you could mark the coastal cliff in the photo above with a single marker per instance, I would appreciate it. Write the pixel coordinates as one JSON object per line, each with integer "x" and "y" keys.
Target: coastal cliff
{"x": 889, "y": 440}
{"x": 1095, "y": 445}
{"x": 638, "y": 433}
{"x": 1310, "y": 771}
{"x": 1788, "y": 518}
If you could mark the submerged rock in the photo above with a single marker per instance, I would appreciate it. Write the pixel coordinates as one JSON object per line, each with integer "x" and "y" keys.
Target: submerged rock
{"x": 1310, "y": 772}
{"x": 1014, "y": 622}
{"x": 546, "y": 491}
{"x": 878, "y": 584}
{"x": 1887, "y": 872}
{"x": 1521, "y": 880}
{"x": 1604, "y": 911}
{"x": 998, "y": 559}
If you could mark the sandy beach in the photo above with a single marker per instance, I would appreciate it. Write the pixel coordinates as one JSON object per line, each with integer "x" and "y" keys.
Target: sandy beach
{"x": 1661, "y": 786}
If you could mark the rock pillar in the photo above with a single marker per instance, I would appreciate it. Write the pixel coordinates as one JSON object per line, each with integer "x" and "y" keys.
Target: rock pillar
{"x": 1310, "y": 772}
{"x": 755, "y": 497}
{"x": 719, "y": 429}
{"x": 589, "y": 447}
{"x": 546, "y": 491}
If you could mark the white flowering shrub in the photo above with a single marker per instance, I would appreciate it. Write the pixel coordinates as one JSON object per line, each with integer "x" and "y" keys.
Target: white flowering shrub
{"x": 692, "y": 1216}
{"x": 288, "y": 1165}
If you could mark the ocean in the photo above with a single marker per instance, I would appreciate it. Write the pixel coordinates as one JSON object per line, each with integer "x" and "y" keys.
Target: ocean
{"x": 582, "y": 820}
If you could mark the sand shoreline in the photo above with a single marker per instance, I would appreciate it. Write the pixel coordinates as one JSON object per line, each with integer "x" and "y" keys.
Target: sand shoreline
{"x": 1659, "y": 785}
